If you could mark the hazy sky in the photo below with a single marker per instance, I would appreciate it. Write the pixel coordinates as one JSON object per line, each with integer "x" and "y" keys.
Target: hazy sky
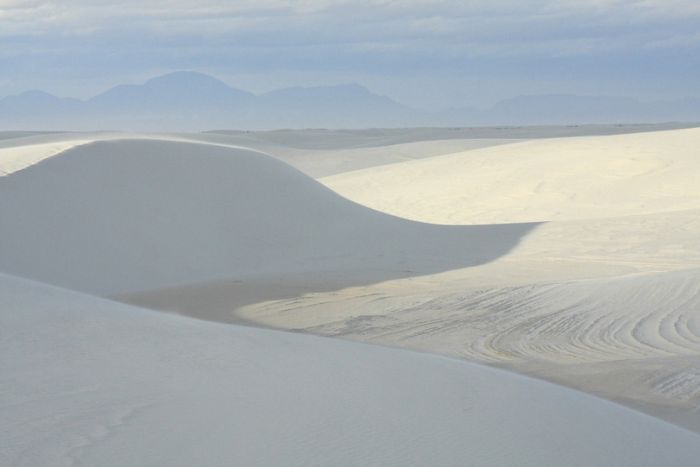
{"x": 427, "y": 53}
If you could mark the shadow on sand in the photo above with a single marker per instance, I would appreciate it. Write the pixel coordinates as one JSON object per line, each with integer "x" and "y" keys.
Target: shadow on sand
{"x": 193, "y": 227}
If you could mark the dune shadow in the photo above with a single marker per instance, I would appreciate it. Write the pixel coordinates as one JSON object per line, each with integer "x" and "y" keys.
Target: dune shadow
{"x": 218, "y": 300}
{"x": 203, "y": 229}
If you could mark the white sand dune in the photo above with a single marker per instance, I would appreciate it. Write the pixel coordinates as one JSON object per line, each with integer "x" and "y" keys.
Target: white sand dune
{"x": 542, "y": 180}
{"x": 113, "y": 217}
{"x": 27, "y": 148}
{"x": 92, "y": 382}
{"x": 14, "y": 159}
{"x": 344, "y": 154}
{"x": 603, "y": 298}
{"x": 635, "y": 339}
{"x": 568, "y": 303}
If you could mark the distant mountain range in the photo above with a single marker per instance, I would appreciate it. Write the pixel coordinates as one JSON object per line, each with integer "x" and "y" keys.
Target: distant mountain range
{"x": 195, "y": 101}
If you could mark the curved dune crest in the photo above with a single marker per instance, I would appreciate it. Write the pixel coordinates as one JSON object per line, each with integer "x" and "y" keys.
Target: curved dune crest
{"x": 14, "y": 159}
{"x": 130, "y": 215}
{"x": 542, "y": 180}
{"x": 182, "y": 392}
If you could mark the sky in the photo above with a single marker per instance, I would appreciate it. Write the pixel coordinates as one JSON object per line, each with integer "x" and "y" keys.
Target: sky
{"x": 426, "y": 53}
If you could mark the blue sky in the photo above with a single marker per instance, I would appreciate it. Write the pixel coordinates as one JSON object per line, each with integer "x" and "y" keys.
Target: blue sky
{"x": 427, "y": 53}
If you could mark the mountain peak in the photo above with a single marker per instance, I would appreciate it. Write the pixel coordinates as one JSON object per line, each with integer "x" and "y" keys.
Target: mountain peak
{"x": 35, "y": 93}
{"x": 185, "y": 78}
{"x": 174, "y": 92}
{"x": 335, "y": 91}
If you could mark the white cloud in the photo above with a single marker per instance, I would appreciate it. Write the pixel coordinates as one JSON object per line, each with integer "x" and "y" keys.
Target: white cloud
{"x": 489, "y": 26}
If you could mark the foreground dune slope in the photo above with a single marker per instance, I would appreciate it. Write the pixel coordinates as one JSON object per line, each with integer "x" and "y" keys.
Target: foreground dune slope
{"x": 121, "y": 216}
{"x": 635, "y": 339}
{"x": 92, "y": 382}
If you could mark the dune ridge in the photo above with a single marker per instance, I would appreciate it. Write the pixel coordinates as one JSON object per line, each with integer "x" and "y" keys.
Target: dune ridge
{"x": 171, "y": 213}
{"x": 539, "y": 180}
{"x": 14, "y": 159}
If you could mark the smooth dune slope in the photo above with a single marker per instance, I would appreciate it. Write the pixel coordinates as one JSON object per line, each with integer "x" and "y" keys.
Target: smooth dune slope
{"x": 92, "y": 382}
{"x": 541, "y": 180}
{"x": 113, "y": 217}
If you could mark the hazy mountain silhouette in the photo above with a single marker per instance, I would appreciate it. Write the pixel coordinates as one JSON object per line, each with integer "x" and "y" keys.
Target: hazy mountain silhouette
{"x": 32, "y": 106}
{"x": 172, "y": 92}
{"x": 342, "y": 106}
{"x": 195, "y": 101}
